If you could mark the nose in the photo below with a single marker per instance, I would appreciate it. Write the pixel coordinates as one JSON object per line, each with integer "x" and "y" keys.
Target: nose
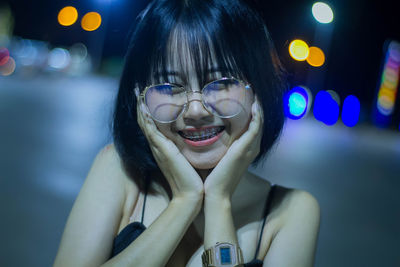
{"x": 195, "y": 109}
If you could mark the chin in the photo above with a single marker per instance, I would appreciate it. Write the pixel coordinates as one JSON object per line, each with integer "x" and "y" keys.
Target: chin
{"x": 203, "y": 165}
{"x": 204, "y": 160}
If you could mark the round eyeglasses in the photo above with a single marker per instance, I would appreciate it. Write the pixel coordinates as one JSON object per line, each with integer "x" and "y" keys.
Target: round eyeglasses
{"x": 224, "y": 98}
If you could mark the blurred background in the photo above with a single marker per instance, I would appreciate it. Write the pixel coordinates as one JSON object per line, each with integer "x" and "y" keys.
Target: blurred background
{"x": 59, "y": 67}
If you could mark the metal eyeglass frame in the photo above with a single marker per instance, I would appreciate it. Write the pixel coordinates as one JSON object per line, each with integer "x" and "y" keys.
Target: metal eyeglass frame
{"x": 142, "y": 97}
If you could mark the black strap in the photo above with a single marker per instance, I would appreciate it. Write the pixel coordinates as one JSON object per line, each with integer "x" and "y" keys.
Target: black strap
{"x": 266, "y": 211}
{"x": 146, "y": 187}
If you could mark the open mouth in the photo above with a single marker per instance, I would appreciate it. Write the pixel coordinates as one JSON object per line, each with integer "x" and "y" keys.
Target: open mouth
{"x": 201, "y": 134}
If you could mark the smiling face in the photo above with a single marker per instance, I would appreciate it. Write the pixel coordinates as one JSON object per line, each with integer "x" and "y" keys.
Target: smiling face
{"x": 196, "y": 122}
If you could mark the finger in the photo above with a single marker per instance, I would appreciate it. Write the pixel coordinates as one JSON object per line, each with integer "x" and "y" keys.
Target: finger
{"x": 143, "y": 121}
{"x": 255, "y": 126}
{"x": 257, "y": 121}
{"x": 245, "y": 141}
{"x": 140, "y": 118}
{"x": 149, "y": 128}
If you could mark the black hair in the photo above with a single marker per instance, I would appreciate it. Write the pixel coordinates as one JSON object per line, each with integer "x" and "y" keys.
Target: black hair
{"x": 230, "y": 32}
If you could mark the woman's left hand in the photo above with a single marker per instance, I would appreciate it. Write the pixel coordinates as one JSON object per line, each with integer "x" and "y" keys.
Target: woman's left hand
{"x": 222, "y": 181}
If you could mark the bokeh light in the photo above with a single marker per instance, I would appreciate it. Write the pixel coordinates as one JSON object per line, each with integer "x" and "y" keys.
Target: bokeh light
{"x": 297, "y": 102}
{"x": 91, "y": 21}
{"x": 387, "y": 91}
{"x": 351, "y": 111}
{"x": 4, "y": 55}
{"x": 326, "y": 108}
{"x": 316, "y": 57}
{"x": 394, "y": 51}
{"x": 8, "y": 68}
{"x": 298, "y": 49}
{"x": 67, "y": 16}
{"x": 59, "y": 58}
{"x": 334, "y": 96}
{"x": 322, "y": 12}
{"x": 79, "y": 50}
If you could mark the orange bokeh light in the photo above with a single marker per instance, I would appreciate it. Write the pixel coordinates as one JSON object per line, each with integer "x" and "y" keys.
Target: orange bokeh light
{"x": 316, "y": 57}
{"x": 67, "y": 16}
{"x": 91, "y": 21}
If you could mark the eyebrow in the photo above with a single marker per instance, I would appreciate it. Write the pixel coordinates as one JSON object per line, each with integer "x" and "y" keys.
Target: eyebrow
{"x": 163, "y": 73}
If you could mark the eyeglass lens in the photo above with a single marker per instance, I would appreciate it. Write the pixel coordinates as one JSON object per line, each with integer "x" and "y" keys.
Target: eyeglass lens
{"x": 223, "y": 98}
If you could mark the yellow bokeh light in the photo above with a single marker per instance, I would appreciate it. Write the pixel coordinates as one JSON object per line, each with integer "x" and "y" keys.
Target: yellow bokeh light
{"x": 316, "y": 57}
{"x": 298, "y": 50}
{"x": 91, "y": 21}
{"x": 388, "y": 93}
{"x": 67, "y": 16}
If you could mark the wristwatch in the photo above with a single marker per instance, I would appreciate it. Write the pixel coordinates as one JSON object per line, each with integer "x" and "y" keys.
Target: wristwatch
{"x": 222, "y": 255}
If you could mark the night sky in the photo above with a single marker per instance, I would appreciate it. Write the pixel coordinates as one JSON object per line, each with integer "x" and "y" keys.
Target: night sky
{"x": 353, "y": 61}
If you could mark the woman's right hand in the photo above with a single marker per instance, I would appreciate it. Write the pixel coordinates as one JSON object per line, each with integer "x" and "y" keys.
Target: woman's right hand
{"x": 183, "y": 179}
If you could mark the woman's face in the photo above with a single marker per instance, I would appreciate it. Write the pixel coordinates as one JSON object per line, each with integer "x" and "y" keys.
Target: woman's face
{"x": 207, "y": 153}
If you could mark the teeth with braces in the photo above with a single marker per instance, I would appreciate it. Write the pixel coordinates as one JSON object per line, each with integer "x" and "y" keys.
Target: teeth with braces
{"x": 202, "y": 135}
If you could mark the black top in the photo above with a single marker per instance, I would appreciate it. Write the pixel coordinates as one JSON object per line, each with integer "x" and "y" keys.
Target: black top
{"x": 134, "y": 229}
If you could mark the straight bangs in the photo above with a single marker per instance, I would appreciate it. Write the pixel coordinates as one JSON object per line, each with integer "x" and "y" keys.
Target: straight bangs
{"x": 196, "y": 45}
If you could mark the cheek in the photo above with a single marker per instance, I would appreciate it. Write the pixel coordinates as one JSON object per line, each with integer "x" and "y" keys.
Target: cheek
{"x": 165, "y": 129}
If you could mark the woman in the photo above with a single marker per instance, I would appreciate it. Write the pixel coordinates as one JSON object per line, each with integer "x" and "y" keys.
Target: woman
{"x": 200, "y": 99}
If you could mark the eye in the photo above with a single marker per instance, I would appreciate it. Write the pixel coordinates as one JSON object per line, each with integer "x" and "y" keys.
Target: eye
{"x": 222, "y": 84}
{"x": 167, "y": 89}
{"x": 177, "y": 89}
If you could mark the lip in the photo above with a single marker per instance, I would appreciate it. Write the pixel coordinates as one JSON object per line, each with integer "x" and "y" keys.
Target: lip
{"x": 202, "y": 143}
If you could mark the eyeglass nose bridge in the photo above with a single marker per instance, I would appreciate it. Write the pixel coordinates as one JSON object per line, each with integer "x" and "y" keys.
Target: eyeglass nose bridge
{"x": 201, "y": 100}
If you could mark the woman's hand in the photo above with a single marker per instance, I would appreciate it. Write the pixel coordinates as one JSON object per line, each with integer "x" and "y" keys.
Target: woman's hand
{"x": 222, "y": 181}
{"x": 181, "y": 176}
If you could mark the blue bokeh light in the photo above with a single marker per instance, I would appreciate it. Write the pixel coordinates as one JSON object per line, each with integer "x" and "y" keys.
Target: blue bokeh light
{"x": 326, "y": 109}
{"x": 296, "y": 103}
{"x": 351, "y": 111}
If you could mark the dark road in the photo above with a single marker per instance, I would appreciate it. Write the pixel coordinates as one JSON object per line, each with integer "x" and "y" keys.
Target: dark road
{"x": 52, "y": 128}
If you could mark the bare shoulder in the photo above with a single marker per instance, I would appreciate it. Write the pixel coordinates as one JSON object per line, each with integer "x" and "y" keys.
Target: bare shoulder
{"x": 302, "y": 201}
{"x": 290, "y": 200}
{"x": 298, "y": 232}
{"x": 282, "y": 195}
{"x": 290, "y": 235}
{"x": 96, "y": 213}
{"x": 294, "y": 203}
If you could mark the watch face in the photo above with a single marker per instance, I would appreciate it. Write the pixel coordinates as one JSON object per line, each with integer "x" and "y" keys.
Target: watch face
{"x": 225, "y": 253}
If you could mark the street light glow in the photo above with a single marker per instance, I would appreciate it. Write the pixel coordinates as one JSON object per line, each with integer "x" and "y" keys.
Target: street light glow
{"x": 298, "y": 49}
{"x": 67, "y": 16}
{"x": 316, "y": 57}
{"x": 91, "y": 21}
{"x": 322, "y": 12}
